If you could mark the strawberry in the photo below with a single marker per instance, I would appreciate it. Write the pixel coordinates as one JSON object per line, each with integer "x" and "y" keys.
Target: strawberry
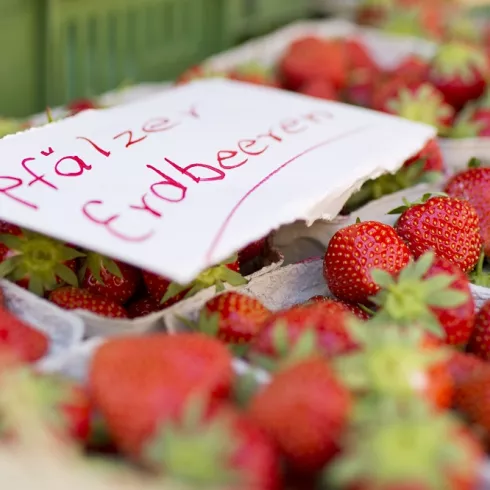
{"x": 447, "y": 225}
{"x": 358, "y": 56}
{"x": 311, "y": 58}
{"x": 301, "y": 331}
{"x": 114, "y": 280}
{"x": 232, "y": 317}
{"x": 462, "y": 366}
{"x": 71, "y": 298}
{"x": 411, "y": 450}
{"x": 396, "y": 362}
{"x": 361, "y": 86}
{"x": 252, "y": 251}
{"x": 226, "y": 272}
{"x": 433, "y": 292}
{"x": 422, "y": 103}
{"x": 309, "y": 394}
{"x": 472, "y": 122}
{"x": 473, "y": 185}
{"x": 412, "y": 68}
{"x": 143, "y": 307}
{"x": 319, "y": 88}
{"x": 157, "y": 287}
{"x": 7, "y": 229}
{"x": 81, "y": 105}
{"x": 223, "y": 449}
{"x": 479, "y": 343}
{"x": 389, "y": 88}
{"x": 2, "y": 299}
{"x": 356, "y": 310}
{"x": 373, "y": 12}
{"x": 459, "y": 71}
{"x": 28, "y": 344}
{"x": 37, "y": 262}
{"x": 432, "y": 157}
{"x": 356, "y": 249}
{"x": 139, "y": 383}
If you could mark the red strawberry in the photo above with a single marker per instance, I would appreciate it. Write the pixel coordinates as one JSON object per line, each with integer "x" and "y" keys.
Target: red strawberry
{"x": 459, "y": 71}
{"x": 114, "y": 280}
{"x": 139, "y": 383}
{"x": 361, "y": 87}
{"x": 480, "y": 339}
{"x": 412, "y": 68}
{"x": 319, "y": 88}
{"x": 28, "y": 344}
{"x": 412, "y": 450}
{"x": 462, "y": 366}
{"x": 233, "y": 317}
{"x": 358, "y": 56}
{"x": 305, "y": 410}
{"x": 422, "y": 103}
{"x": 219, "y": 449}
{"x": 356, "y": 310}
{"x": 433, "y": 292}
{"x": 252, "y": 251}
{"x": 81, "y": 105}
{"x": 431, "y": 155}
{"x": 71, "y": 298}
{"x": 37, "y": 262}
{"x": 472, "y": 122}
{"x": 389, "y": 88}
{"x": 446, "y": 225}
{"x": 353, "y": 251}
{"x": 169, "y": 293}
{"x": 303, "y": 330}
{"x": 396, "y": 363}
{"x": 7, "y": 229}
{"x": 143, "y": 307}
{"x": 312, "y": 58}
{"x": 473, "y": 185}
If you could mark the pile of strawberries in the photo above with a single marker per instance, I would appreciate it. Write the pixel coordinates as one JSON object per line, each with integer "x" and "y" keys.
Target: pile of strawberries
{"x": 73, "y": 278}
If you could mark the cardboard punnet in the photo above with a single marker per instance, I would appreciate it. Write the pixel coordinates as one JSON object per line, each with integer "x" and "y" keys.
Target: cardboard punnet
{"x": 178, "y": 182}
{"x": 388, "y": 50}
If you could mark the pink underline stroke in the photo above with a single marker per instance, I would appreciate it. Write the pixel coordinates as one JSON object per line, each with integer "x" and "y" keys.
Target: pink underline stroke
{"x": 235, "y": 208}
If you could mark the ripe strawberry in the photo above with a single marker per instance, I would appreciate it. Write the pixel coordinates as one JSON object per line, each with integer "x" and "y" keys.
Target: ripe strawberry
{"x": 444, "y": 224}
{"x": 223, "y": 449}
{"x": 479, "y": 343}
{"x": 412, "y": 68}
{"x": 169, "y": 293}
{"x": 252, "y": 251}
{"x": 305, "y": 410}
{"x": 356, "y": 310}
{"x": 143, "y": 307}
{"x": 422, "y": 103}
{"x": 413, "y": 450}
{"x": 389, "y": 88}
{"x": 356, "y": 249}
{"x": 462, "y": 366}
{"x": 312, "y": 58}
{"x": 28, "y": 344}
{"x": 472, "y": 122}
{"x": 459, "y": 71}
{"x": 361, "y": 87}
{"x": 232, "y": 317}
{"x": 71, "y": 298}
{"x": 114, "y": 280}
{"x": 358, "y": 55}
{"x": 397, "y": 363}
{"x": 473, "y": 185}
{"x": 7, "y": 229}
{"x": 431, "y": 155}
{"x": 37, "y": 262}
{"x": 139, "y": 383}
{"x": 81, "y": 105}
{"x": 432, "y": 292}
{"x": 300, "y": 331}
{"x": 319, "y": 88}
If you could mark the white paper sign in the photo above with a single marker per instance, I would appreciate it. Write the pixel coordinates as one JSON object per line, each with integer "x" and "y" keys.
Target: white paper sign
{"x": 178, "y": 182}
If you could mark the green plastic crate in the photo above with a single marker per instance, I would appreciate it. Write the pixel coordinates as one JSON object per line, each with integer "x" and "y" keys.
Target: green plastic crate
{"x": 22, "y": 57}
{"x": 248, "y": 18}
{"x": 95, "y": 45}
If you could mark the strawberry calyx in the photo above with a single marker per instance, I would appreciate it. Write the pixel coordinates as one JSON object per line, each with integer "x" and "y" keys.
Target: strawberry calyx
{"x": 407, "y": 299}
{"x": 475, "y": 163}
{"x": 286, "y": 350}
{"x": 425, "y": 105}
{"x": 40, "y": 259}
{"x": 407, "y": 204}
{"x": 390, "y": 361}
{"x": 94, "y": 262}
{"x": 405, "y": 22}
{"x": 217, "y": 276}
{"x": 466, "y": 126}
{"x": 458, "y": 59}
{"x": 254, "y": 69}
{"x": 194, "y": 450}
{"x": 479, "y": 277}
{"x": 412, "y": 446}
